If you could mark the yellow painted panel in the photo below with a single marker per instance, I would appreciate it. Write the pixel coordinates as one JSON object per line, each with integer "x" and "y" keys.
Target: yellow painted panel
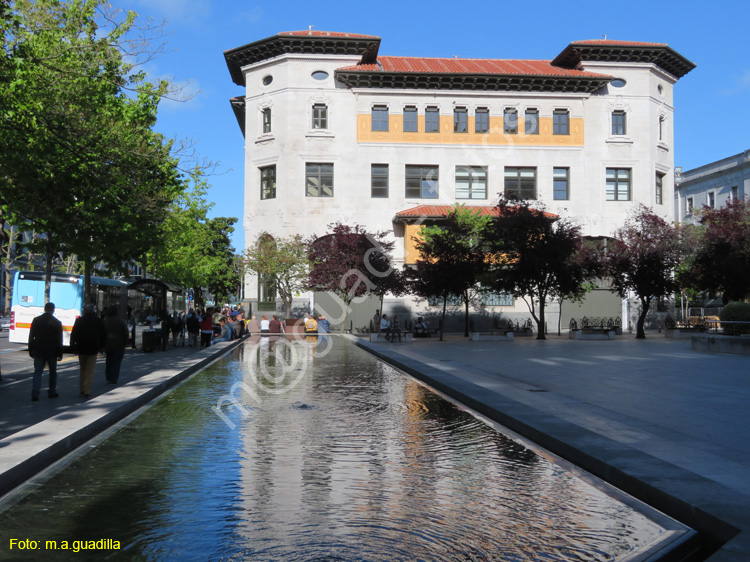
{"x": 495, "y": 136}
{"x": 411, "y": 255}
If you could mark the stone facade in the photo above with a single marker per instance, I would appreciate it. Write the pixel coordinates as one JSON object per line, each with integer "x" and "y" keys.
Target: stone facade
{"x": 332, "y": 136}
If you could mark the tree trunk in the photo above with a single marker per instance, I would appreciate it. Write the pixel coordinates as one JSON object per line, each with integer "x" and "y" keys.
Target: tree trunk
{"x": 640, "y": 332}
{"x": 466, "y": 316}
{"x": 48, "y": 269}
{"x": 88, "y": 297}
{"x": 442, "y": 319}
{"x": 540, "y": 321}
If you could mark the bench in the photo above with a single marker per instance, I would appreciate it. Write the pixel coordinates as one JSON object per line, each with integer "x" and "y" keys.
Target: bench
{"x": 507, "y": 335}
{"x": 406, "y": 336}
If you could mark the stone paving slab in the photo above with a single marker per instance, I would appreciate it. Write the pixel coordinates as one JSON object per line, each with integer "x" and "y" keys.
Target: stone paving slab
{"x": 658, "y": 420}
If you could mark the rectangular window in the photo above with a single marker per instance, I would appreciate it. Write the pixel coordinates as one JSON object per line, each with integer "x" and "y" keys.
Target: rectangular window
{"x": 460, "y": 120}
{"x": 661, "y": 127}
{"x": 268, "y": 182}
{"x": 532, "y": 122}
{"x": 410, "y": 119}
{"x": 471, "y": 182}
{"x": 320, "y": 116}
{"x": 712, "y": 199}
{"x": 618, "y": 184}
{"x": 619, "y": 123}
{"x": 560, "y": 184}
{"x": 520, "y": 183}
{"x": 266, "y": 120}
{"x": 501, "y": 298}
{"x": 733, "y": 193}
{"x": 561, "y": 122}
{"x": 510, "y": 121}
{"x": 379, "y": 180}
{"x": 432, "y": 120}
{"x": 689, "y": 205}
{"x": 319, "y": 180}
{"x": 422, "y": 182}
{"x": 379, "y": 118}
{"x": 659, "y": 188}
{"x": 482, "y": 120}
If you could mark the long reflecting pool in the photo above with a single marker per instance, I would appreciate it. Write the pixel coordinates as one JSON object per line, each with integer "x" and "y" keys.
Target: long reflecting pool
{"x": 312, "y": 451}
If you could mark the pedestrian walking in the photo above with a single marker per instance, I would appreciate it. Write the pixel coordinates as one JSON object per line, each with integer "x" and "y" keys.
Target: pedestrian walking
{"x": 87, "y": 340}
{"x": 45, "y": 346}
{"x": 193, "y": 325}
{"x": 115, "y": 343}
{"x": 207, "y": 328}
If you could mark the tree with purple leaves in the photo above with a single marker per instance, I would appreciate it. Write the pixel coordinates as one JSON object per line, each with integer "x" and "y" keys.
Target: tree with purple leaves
{"x": 722, "y": 261}
{"x": 349, "y": 262}
{"x": 642, "y": 258}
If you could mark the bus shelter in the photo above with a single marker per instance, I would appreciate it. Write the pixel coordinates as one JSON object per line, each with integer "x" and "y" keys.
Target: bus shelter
{"x": 154, "y": 296}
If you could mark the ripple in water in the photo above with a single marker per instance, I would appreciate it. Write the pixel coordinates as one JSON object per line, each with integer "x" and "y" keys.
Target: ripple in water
{"x": 351, "y": 461}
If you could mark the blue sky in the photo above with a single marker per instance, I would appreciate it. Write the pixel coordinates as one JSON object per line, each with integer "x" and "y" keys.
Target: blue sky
{"x": 712, "y": 117}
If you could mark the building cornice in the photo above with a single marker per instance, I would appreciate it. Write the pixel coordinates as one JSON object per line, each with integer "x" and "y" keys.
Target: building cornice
{"x": 659, "y": 54}
{"x": 315, "y": 43}
{"x": 478, "y": 82}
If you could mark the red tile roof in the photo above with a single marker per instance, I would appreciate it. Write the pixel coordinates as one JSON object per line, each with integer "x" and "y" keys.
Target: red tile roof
{"x": 316, "y": 33}
{"x": 469, "y": 66}
{"x": 613, "y": 43}
{"x": 443, "y": 210}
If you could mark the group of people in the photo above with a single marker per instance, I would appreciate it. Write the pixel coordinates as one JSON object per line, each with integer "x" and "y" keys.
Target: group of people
{"x": 319, "y": 325}
{"x": 90, "y": 336}
{"x": 391, "y": 328}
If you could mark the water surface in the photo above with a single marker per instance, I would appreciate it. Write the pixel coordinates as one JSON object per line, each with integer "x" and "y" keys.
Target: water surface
{"x": 321, "y": 452}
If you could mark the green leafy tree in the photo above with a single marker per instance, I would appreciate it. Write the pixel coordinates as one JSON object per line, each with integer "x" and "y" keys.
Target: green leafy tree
{"x": 452, "y": 258}
{"x": 537, "y": 256}
{"x": 75, "y": 130}
{"x": 283, "y": 261}
{"x": 642, "y": 258}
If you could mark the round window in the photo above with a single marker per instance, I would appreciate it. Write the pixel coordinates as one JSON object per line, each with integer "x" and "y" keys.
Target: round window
{"x": 267, "y": 80}
{"x": 660, "y": 89}
{"x": 617, "y": 83}
{"x": 320, "y": 75}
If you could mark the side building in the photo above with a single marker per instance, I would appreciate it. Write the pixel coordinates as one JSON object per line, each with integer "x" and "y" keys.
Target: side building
{"x": 712, "y": 185}
{"x": 334, "y": 131}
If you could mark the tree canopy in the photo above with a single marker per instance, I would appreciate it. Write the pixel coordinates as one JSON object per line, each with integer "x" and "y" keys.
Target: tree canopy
{"x": 721, "y": 262}
{"x": 348, "y": 261}
{"x": 453, "y": 256}
{"x": 283, "y": 261}
{"x": 537, "y": 256}
{"x": 642, "y": 258}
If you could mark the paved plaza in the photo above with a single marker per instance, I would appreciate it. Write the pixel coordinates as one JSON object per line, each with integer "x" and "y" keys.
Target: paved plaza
{"x": 666, "y": 424}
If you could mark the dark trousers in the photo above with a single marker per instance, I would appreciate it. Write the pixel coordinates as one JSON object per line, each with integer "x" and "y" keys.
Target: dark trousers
{"x": 36, "y": 382}
{"x": 112, "y": 365}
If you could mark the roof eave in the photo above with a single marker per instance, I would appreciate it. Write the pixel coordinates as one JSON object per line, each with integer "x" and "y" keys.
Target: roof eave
{"x": 276, "y": 45}
{"x": 460, "y": 81}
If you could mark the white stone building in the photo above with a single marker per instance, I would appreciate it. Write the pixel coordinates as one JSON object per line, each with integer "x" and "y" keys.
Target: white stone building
{"x": 712, "y": 185}
{"x": 335, "y": 131}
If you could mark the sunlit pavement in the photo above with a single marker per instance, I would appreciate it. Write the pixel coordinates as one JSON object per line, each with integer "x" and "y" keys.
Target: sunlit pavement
{"x": 663, "y": 422}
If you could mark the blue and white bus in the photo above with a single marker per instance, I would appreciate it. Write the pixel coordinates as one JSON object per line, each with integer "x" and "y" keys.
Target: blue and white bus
{"x": 66, "y": 292}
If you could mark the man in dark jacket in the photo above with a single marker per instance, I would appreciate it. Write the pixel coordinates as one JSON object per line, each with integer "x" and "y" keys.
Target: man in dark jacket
{"x": 117, "y": 340}
{"x": 45, "y": 346}
{"x": 87, "y": 340}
